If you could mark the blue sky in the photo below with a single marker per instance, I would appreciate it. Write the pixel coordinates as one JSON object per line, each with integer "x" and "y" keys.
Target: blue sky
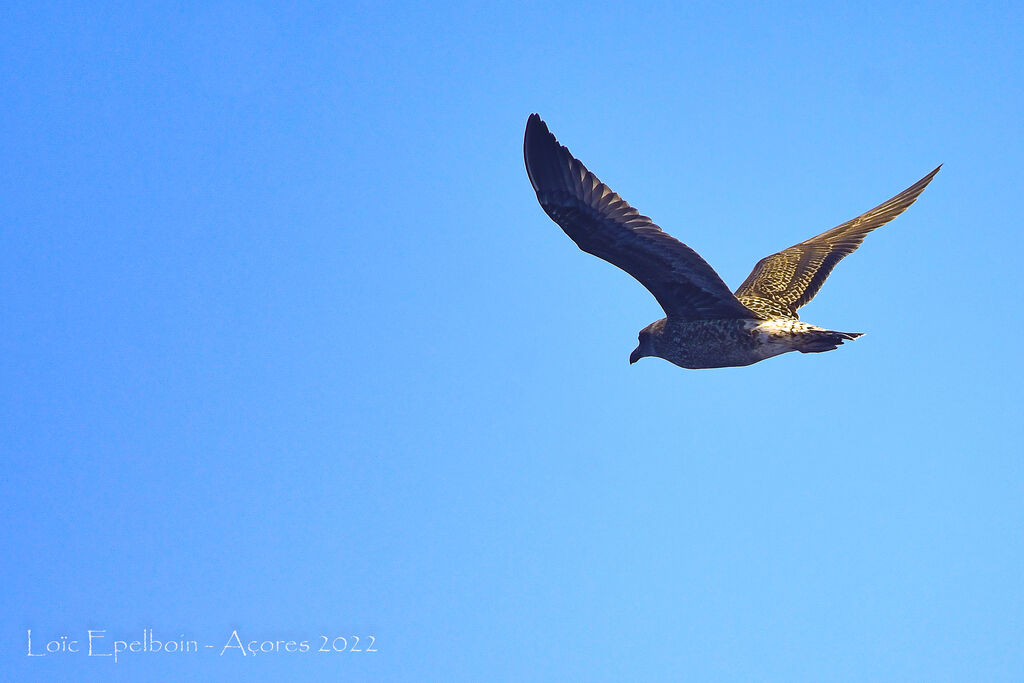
{"x": 289, "y": 350}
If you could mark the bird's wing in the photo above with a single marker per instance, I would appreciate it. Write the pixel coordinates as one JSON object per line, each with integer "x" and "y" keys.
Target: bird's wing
{"x": 601, "y": 223}
{"x": 783, "y": 282}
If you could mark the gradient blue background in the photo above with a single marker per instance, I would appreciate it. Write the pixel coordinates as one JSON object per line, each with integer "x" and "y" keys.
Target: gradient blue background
{"x": 288, "y": 347}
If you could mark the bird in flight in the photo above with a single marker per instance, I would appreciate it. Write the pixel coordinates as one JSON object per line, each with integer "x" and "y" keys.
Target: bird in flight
{"x": 705, "y": 325}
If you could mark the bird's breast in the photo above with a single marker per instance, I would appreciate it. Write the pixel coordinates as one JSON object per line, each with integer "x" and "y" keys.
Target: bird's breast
{"x": 713, "y": 343}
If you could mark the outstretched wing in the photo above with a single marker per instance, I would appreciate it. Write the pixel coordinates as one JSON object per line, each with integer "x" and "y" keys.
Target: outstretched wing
{"x": 601, "y": 223}
{"x": 783, "y": 282}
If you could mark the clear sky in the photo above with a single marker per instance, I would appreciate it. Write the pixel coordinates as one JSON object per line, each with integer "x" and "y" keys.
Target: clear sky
{"x": 288, "y": 350}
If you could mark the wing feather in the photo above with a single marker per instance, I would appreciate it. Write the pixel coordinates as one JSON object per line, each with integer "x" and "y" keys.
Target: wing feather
{"x": 785, "y": 281}
{"x": 601, "y": 223}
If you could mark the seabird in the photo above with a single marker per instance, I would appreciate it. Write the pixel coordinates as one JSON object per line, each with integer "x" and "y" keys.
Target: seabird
{"x": 705, "y": 325}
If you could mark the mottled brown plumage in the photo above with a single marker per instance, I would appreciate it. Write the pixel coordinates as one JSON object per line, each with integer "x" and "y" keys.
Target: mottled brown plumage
{"x": 785, "y": 281}
{"x": 706, "y": 325}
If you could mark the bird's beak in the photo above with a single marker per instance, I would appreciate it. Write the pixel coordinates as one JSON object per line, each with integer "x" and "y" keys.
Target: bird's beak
{"x": 635, "y": 356}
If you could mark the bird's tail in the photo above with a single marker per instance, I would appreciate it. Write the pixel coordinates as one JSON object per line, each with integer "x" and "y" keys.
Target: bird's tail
{"x": 823, "y": 340}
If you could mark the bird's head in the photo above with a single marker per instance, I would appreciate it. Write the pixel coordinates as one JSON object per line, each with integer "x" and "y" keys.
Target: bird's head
{"x": 645, "y": 347}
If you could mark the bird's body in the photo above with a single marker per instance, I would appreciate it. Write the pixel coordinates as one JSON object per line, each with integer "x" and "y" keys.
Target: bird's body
{"x": 733, "y": 342}
{"x": 706, "y": 325}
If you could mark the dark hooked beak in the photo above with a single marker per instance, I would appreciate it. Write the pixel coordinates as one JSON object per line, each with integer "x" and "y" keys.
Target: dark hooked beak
{"x": 635, "y": 356}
